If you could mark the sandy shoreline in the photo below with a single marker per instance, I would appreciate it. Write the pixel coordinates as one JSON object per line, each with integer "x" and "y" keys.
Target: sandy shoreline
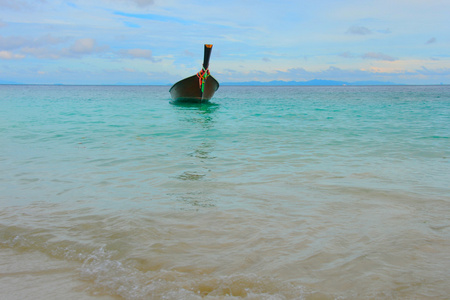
{"x": 32, "y": 275}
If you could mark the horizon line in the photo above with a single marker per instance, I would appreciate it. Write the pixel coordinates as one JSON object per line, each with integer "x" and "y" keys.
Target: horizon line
{"x": 243, "y": 83}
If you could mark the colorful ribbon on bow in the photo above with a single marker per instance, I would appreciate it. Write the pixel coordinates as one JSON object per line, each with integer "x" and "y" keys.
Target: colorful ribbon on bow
{"x": 202, "y": 75}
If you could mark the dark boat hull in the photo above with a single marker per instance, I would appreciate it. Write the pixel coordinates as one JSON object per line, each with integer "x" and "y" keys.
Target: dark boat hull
{"x": 189, "y": 90}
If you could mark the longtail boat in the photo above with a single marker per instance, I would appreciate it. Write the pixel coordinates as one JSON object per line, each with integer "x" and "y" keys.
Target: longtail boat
{"x": 197, "y": 88}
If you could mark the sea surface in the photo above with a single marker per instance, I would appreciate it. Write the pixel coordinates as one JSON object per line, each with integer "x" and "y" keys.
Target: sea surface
{"x": 114, "y": 192}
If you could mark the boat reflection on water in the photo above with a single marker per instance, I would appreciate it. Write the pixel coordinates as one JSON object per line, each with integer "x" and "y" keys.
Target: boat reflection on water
{"x": 197, "y": 113}
{"x": 192, "y": 187}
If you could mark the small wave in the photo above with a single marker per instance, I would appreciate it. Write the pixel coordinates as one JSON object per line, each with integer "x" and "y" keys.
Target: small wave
{"x": 109, "y": 272}
{"x": 120, "y": 279}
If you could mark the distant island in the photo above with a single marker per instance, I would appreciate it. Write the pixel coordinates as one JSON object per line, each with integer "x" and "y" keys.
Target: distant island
{"x": 311, "y": 82}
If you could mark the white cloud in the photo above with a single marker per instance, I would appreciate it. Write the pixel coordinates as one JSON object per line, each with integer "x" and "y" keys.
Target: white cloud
{"x": 347, "y": 54}
{"x": 435, "y": 72}
{"x": 378, "y": 56}
{"x": 41, "y": 48}
{"x": 42, "y": 53}
{"x": 9, "y": 55}
{"x": 12, "y": 42}
{"x": 83, "y": 46}
{"x": 137, "y": 53}
{"x": 137, "y": 3}
{"x": 431, "y": 41}
{"x": 144, "y": 3}
{"x": 17, "y": 42}
{"x": 359, "y": 30}
{"x": 20, "y": 4}
{"x": 369, "y": 55}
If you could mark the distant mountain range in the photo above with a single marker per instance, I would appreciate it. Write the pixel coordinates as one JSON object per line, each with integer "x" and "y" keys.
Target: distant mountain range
{"x": 310, "y": 82}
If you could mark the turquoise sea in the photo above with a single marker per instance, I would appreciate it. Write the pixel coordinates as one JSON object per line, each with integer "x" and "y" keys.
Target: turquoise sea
{"x": 114, "y": 192}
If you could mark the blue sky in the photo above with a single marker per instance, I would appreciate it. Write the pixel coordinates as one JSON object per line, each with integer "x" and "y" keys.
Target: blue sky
{"x": 161, "y": 41}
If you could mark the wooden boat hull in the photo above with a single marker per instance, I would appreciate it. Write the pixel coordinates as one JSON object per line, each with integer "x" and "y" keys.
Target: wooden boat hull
{"x": 189, "y": 90}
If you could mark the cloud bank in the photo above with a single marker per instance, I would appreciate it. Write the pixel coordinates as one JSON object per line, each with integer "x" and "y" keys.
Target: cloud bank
{"x": 286, "y": 40}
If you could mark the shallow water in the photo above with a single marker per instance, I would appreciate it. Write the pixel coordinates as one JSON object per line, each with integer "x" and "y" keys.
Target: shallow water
{"x": 111, "y": 192}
